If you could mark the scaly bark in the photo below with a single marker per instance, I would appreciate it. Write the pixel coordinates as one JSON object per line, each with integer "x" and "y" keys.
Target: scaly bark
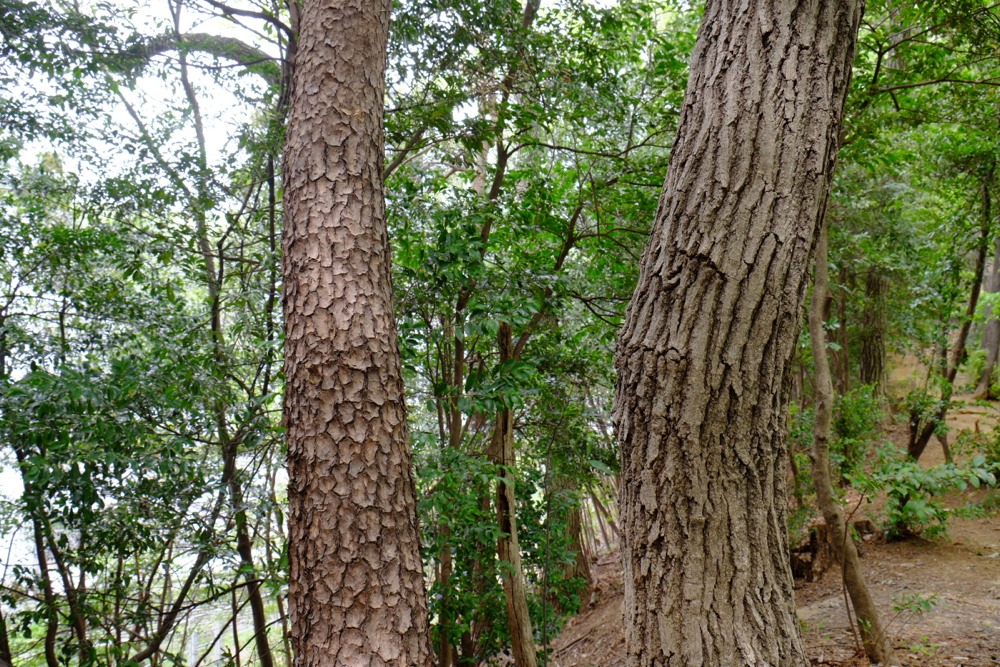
{"x": 704, "y": 353}
{"x": 873, "y": 637}
{"x": 356, "y": 589}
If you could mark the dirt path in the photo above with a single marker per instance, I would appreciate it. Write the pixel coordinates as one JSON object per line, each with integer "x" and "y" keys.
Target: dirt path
{"x": 960, "y": 575}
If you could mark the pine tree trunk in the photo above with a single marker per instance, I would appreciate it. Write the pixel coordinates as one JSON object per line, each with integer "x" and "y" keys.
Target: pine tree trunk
{"x": 704, "y": 354}
{"x": 508, "y": 550}
{"x": 991, "y": 332}
{"x": 356, "y": 586}
{"x": 876, "y": 643}
{"x": 874, "y": 323}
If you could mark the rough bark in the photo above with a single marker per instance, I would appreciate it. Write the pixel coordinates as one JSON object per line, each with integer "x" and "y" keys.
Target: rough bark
{"x": 702, "y": 359}
{"x": 508, "y": 550}
{"x": 991, "y": 332}
{"x": 356, "y": 589}
{"x": 873, "y": 637}
{"x": 874, "y": 325}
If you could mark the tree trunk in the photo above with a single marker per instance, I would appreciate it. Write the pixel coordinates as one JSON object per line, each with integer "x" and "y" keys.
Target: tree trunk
{"x": 921, "y": 433}
{"x": 580, "y": 567}
{"x": 5, "y": 656}
{"x": 522, "y": 636}
{"x": 356, "y": 586}
{"x": 874, "y": 323}
{"x": 877, "y": 647}
{"x": 702, "y": 359}
{"x": 991, "y": 333}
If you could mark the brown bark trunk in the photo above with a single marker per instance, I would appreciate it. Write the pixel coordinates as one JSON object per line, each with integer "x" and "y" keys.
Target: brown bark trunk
{"x": 873, "y": 637}
{"x": 356, "y": 586}
{"x": 445, "y": 654}
{"x": 453, "y": 426}
{"x": 522, "y": 636}
{"x": 991, "y": 332}
{"x": 5, "y": 656}
{"x": 874, "y": 323}
{"x": 580, "y": 568}
{"x": 702, "y": 359}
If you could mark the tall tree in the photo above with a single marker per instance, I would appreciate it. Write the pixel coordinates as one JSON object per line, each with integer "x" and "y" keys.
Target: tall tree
{"x": 702, "y": 359}
{"x": 356, "y": 578}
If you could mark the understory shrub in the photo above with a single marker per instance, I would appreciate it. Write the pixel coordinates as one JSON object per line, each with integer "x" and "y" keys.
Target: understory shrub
{"x": 856, "y": 418}
{"x": 913, "y": 493}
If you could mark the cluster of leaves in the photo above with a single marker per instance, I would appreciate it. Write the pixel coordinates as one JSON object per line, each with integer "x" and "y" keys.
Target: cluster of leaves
{"x": 914, "y": 504}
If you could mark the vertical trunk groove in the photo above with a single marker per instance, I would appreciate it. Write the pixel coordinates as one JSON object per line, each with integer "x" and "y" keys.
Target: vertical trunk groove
{"x": 356, "y": 589}
{"x": 702, "y": 359}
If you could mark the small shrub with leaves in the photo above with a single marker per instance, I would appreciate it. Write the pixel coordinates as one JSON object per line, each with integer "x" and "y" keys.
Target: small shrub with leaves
{"x": 855, "y": 428}
{"x": 913, "y": 493}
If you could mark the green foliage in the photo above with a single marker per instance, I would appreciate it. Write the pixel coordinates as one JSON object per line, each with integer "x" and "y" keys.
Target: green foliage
{"x": 914, "y": 504}
{"x": 855, "y": 425}
{"x": 914, "y": 603}
{"x": 800, "y": 439}
{"x": 524, "y": 166}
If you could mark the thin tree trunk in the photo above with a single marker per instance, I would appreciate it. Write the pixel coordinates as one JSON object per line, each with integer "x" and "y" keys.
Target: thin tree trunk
{"x": 874, "y": 323}
{"x": 876, "y": 644}
{"x": 213, "y": 279}
{"x": 703, "y": 358}
{"x": 453, "y": 426}
{"x": 356, "y": 586}
{"x": 5, "y": 656}
{"x": 921, "y": 433}
{"x": 508, "y": 550}
{"x": 580, "y": 568}
{"x": 236, "y": 630}
{"x": 991, "y": 332}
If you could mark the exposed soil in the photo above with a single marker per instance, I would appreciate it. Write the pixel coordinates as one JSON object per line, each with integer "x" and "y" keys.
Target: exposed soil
{"x": 958, "y": 575}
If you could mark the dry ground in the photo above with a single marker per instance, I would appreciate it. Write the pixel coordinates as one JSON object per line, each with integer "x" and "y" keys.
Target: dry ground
{"x": 960, "y": 573}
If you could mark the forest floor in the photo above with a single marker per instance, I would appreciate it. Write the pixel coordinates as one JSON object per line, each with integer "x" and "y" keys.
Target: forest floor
{"x": 958, "y": 573}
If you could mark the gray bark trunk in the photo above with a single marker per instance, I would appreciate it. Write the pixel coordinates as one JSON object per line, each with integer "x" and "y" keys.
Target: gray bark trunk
{"x": 356, "y": 586}
{"x": 874, "y": 322}
{"x": 702, "y": 359}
